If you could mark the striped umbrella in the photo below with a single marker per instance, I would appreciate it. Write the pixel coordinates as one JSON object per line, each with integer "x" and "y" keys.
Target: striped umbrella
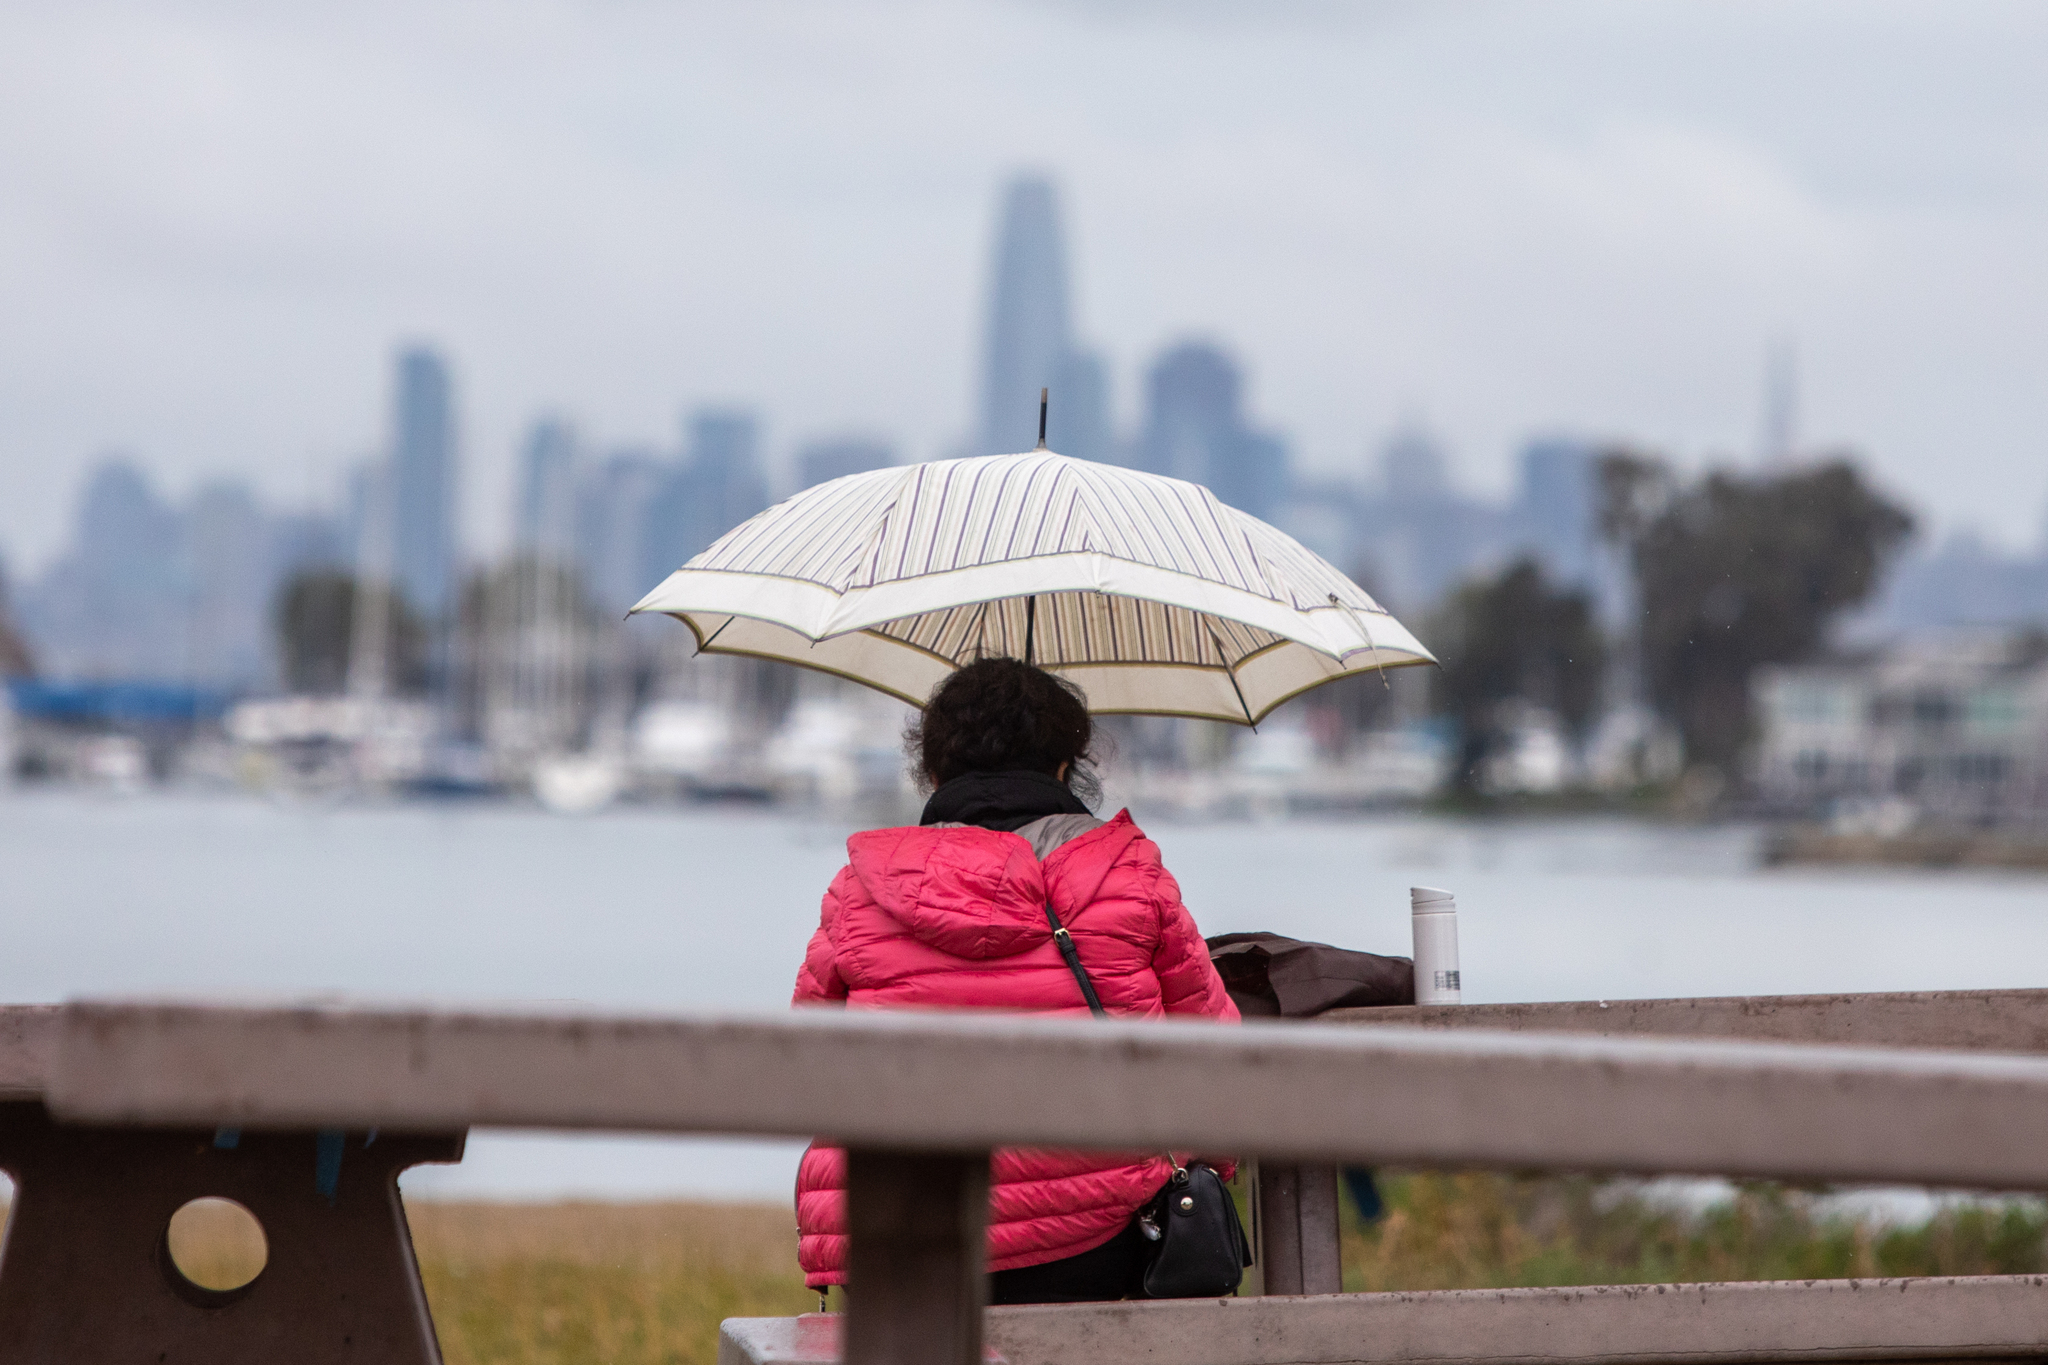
{"x": 1146, "y": 592}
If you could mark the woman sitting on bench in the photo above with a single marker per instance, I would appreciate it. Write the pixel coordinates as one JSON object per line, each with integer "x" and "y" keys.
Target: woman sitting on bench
{"x": 952, "y": 913}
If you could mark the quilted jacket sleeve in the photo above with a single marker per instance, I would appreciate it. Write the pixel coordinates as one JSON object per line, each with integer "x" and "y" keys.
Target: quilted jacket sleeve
{"x": 1188, "y": 982}
{"x": 818, "y": 981}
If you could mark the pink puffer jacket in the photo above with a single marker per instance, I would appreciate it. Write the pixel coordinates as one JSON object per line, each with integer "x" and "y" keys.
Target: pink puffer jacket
{"x": 954, "y": 917}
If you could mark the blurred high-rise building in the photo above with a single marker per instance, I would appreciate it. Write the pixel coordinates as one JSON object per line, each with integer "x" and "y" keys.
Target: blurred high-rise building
{"x": 613, "y": 517}
{"x": 116, "y": 604}
{"x": 725, "y": 460}
{"x": 835, "y": 458}
{"x": 1778, "y": 431}
{"x": 545, "y": 519}
{"x": 1029, "y": 329}
{"x": 527, "y": 632}
{"x": 231, "y": 559}
{"x": 1555, "y": 511}
{"x": 718, "y": 485}
{"x": 1195, "y": 429}
{"x": 309, "y": 541}
{"x": 423, "y": 547}
{"x": 1030, "y": 338}
{"x": 1556, "y": 517}
{"x": 154, "y": 591}
{"x": 1416, "y": 535}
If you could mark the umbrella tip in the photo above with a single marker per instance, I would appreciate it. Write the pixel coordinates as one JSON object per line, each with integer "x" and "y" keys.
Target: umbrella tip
{"x": 1044, "y": 395}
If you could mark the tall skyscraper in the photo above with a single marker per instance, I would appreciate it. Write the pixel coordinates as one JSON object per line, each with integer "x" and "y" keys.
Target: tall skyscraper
{"x": 423, "y": 485}
{"x": 1778, "y": 433}
{"x": 718, "y": 485}
{"x": 1030, "y": 342}
{"x": 545, "y": 524}
{"x": 725, "y": 464}
{"x": 1195, "y": 430}
{"x": 1555, "y": 510}
{"x": 1029, "y": 329}
{"x": 612, "y": 530}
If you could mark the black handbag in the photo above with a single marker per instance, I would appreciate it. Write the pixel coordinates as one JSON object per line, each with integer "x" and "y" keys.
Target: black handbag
{"x": 1198, "y": 1246}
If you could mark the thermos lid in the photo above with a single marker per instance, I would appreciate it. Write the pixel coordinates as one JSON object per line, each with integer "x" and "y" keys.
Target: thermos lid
{"x": 1431, "y": 898}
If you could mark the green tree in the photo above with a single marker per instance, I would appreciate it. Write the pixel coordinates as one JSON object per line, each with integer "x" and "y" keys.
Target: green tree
{"x": 1733, "y": 571}
{"x": 16, "y": 659}
{"x": 1511, "y": 638}
{"x": 315, "y": 620}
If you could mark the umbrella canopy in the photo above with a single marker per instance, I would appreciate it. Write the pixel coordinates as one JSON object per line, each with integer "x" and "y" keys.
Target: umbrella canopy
{"x": 1146, "y": 592}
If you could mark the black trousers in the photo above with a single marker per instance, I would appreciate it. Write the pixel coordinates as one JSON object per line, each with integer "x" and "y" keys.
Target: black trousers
{"x": 1114, "y": 1270}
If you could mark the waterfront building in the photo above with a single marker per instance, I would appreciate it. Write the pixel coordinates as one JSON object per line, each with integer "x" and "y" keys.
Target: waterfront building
{"x": 1955, "y": 723}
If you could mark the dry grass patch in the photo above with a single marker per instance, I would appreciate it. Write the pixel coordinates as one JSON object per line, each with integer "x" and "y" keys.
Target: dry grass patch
{"x": 622, "y": 1284}
{"x": 1482, "y": 1230}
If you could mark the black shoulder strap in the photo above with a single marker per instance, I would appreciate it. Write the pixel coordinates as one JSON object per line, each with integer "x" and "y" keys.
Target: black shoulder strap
{"x": 1073, "y": 957}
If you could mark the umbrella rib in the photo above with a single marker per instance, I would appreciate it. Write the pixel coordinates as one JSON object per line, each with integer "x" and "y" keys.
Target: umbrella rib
{"x": 980, "y": 631}
{"x": 715, "y": 634}
{"x": 1382, "y": 668}
{"x": 1229, "y": 671}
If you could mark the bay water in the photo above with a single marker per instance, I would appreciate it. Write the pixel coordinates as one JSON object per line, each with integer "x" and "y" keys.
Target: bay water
{"x": 709, "y": 908}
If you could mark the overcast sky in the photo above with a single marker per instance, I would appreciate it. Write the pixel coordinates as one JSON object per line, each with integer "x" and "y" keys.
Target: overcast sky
{"x": 217, "y": 219}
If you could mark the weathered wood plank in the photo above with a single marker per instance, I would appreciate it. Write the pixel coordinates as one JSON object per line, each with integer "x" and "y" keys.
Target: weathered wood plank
{"x": 1988, "y": 1318}
{"x": 1303, "y": 1092}
{"x": 1299, "y": 1244}
{"x": 917, "y": 1279}
{"x": 28, "y": 1037}
{"x": 1983, "y": 1021}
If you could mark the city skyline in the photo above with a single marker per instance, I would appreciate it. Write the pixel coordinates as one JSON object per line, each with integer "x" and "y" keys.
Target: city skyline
{"x": 1587, "y": 219}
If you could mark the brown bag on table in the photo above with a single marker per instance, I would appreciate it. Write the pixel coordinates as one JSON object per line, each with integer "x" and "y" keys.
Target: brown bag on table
{"x": 1270, "y": 975}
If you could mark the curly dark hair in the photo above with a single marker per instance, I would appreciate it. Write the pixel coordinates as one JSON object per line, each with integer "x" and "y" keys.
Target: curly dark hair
{"x": 1004, "y": 715}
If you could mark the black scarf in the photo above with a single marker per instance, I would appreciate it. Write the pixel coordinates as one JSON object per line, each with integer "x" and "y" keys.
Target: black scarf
{"x": 1005, "y": 801}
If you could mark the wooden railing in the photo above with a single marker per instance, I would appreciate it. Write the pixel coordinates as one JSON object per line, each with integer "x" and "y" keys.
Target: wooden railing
{"x": 124, "y": 1111}
{"x": 1300, "y": 1202}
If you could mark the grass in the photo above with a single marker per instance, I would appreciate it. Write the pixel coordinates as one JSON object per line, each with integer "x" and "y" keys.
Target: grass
{"x": 1484, "y": 1230}
{"x": 628, "y": 1284}
{"x": 648, "y": 1284}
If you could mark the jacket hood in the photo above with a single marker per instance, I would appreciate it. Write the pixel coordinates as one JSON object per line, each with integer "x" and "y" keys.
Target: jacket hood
{"x": 981, "y": 893}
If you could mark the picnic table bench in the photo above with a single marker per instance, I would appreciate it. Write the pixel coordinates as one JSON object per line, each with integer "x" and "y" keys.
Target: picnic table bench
{"x": 113, "y": 1114}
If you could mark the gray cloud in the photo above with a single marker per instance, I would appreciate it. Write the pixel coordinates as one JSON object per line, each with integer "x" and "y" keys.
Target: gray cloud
{"x": 1592, "y": 216}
